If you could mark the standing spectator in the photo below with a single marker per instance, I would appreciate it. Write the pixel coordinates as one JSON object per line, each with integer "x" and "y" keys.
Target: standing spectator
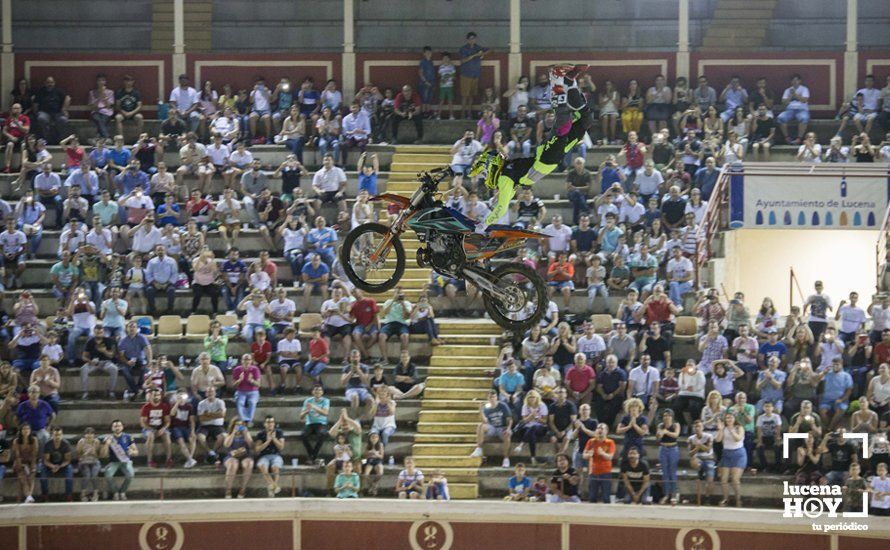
{"x": 667, "y": 434}
{"x": 182, "y": 426}
{"x": 795, "y": 101}
{"x": 769, "y": 436}
{"x": 204, "y": 281}
{"x": 51, "y": 105}
{"x": 691, "y": 397}
{"x": 581, "y": 379}
{"x": 46, "y": 377}
{"x": 610, "y": 389}
{"x": 701, "y": 457}
{"x": 88, "y": 464}
{"x": 471, "y": 55}
{"x": 407, "y": 106}
{"x": 186, "y": 103}
{"x": 426, "y": 73}
{"x": 836, "y": 393}
{"x": 155, "y": 421}
{"x": 246, "y": 380}
{"x": 818, "y": 305}
{"x": 120, "y": 449}
{"x": 25, "y": 454}
{"x": 239, "y": 445}
{"x": 599, "y": 451}
{"x": 579, "y": 182}
{"x": 128, "y": 104}
{"x": 734, "y": 461}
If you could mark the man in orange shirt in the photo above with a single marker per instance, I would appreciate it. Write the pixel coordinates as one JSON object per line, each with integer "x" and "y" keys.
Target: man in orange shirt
{"x": 599, "y": 451}
{"x": 560, "y": 275}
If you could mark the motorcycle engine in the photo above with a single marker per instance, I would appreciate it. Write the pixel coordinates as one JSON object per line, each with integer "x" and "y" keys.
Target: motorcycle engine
{"x": 447, "y": 253}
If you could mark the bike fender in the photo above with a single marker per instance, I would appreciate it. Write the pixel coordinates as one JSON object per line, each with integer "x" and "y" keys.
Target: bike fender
{"x": 403, "y": 202}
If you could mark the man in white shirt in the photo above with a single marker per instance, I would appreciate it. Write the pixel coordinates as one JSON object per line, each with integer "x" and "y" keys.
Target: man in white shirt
{"x": 560, "y": 236}
{"x": 680, "y": 273}
{"x": 464, "y": 151}
{"x": 219, "y": 154}
{"x": 642, "y": 383}
{"x": 190, "y": 155}
{"x": 282, "y": 311}
{"x": 880, "y": 317}
{"x": 631, "y": 209}
{"x": 591, "y": 345}
{"x": 329, "y": 185}
{"x": 100, "y": 237}
{"x": 335, "y": 312}
{"x": 260, "y": 100}
{"x": 184, "y": 99}
{"x": 871, "y": 97}
{"x": 648, "y": 181}
{"x": 13, "y": 243}
{"x": 47, "y": 185}
{"x": 796, "y": 100}
{"x": 145, "y": 236}
{"x": 851, "y": 317}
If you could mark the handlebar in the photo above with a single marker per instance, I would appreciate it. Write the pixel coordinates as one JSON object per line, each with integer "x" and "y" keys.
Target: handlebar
{"x": 435, "y": 176}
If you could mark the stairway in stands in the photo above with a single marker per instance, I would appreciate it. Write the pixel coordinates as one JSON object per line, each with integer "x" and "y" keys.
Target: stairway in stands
{"x": 456, "y": 385}
{"x": 456, "y": 382}
{"x": 739, "y": 25}
{"x": 407, "y": 161}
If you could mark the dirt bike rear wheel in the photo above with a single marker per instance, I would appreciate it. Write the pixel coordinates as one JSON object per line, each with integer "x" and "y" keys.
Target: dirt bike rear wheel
{"x": 530, "y": 285}
{"x": 355, "y": 257}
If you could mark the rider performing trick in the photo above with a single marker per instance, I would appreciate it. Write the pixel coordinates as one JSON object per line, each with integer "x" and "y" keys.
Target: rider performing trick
{"x": 573, "y": 120}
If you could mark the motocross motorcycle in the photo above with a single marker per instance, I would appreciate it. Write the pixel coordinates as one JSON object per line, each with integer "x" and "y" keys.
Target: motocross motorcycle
{"x": 373, "y": 256}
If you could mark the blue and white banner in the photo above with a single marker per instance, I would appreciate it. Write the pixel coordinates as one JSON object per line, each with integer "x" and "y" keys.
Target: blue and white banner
{"x": 801, "y": 201}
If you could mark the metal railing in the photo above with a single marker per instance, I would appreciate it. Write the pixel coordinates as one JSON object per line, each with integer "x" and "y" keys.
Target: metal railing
{"x": 713, "y": 220}
{"x": 881, "y": 253}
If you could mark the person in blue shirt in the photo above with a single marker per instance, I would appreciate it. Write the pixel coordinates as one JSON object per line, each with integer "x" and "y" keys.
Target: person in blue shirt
{"x": 120, "y": 448}
{"x": 836, "y": 392}
{"x": 35, "y": 412}
{"x": 321, "y": 240}
{"x": 771, "y": 384}
{"x": 235, "y": 272}
{"x": 119, "y": 156}
{"x": 771, "y": 348}
{"x": 168, "y": 212}
{"x": 100, "y": 157}
{"x": 85, "y": 179}
{"x": 705, "y": 178}
{"x": 131, "y": 178}
{"x": 519, "y": 484}
{"x": 426, "y": 73}
{"x": 471, "y": 55}
{"x": 315, "y": 276}
{"x": 497, "y": 421}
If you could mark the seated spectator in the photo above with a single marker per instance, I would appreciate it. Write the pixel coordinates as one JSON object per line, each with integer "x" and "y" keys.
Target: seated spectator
{"x": 373, "y": 461}
{"x": 255, "y": 308}
{"x": 206, "y": 375}
{"x": 227, "y": 215}
{"x": 268, "y": 444}
{"x": 835, "y": 398}
{"x": 87, "y": 457}
{"x": 423, "y": 320}
{"x": 239, "y": 453}
{"x": 46, "y": 377}
{"x": 355, "y": 380}
{"x": 185, "y": 103}
{"x": 497, "y": 421}
{"x": 396, "y": 315}
{"x": 120, "y": 449}
{"x": 347, "y": 483}
{"x": 356, "y": 130}
{"x": 134, "y": 353}
{"x": 691, "y": 395}
{"x": 519, "y": 484}
{"x": 57, "y": 459}
{"x": 407, "y": 106}
{"x": 520, "y": 133}
{"x": 182, "y": 426}
{"x": 261, "y": 101}
{"x": 335, "y": 313}
{"x": 329, "y": 185}
{"x": 795, "y": 102}
{"x": 128, "y": 105}
{"x": 155, "y": 421}
{"x": 246, "y": 380}
{"x": 293, "y": 132}
{"x": 383, "y": 412}
{"x": 437, "y": 487}
{"x": 635, "y": 478}
{"x": 409, "y": 484}
{"x": 211, "y": 419}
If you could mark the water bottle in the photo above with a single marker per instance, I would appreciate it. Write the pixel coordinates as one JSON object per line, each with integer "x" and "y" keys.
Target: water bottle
{"x": 181, "y": 362}
{"x": 392, "y": 460}
{"x": 163, "y": 110}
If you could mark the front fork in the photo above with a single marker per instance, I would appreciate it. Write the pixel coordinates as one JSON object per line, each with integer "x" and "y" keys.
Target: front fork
{"x": 483, "y": 280}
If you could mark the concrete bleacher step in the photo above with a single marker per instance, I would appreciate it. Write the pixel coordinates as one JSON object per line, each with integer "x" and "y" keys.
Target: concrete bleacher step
{"x": 446, "y": 461}
{"x": 471, "y": 327}
{"x": 424, "y": 158}
{"x": 463, "y": 491}
{"x": 447, "y": 427}
{"x": 442, "y": 449}
{"x": 463, "y": 360}
{"x": 457, "y": 371}
{"x": 475, "y": 351}
{"x": 456, "y": 393}
{"x": 449, "y": 416}
{"x": 457, "y": 382}
{"x": 444, "y": 438}
{"x": 450, "y": 404}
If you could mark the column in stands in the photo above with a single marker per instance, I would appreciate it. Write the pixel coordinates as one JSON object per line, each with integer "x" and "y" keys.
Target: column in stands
{"x": 514, "y": 60}
{"x": 178, "y": 38}
{"x": 683, "y": 40}
{"x": 851, "y": 54}
{"x": 348, "y": 61}
{"x": 7, "y": 57}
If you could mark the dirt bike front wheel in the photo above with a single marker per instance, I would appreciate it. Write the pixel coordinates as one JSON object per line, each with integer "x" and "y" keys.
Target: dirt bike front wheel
{"x": 373, "y": 259}
{"x": 526, "y": 297}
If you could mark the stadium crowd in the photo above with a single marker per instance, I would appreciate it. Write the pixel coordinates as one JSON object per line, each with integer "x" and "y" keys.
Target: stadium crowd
{"x": 134, "y": 231}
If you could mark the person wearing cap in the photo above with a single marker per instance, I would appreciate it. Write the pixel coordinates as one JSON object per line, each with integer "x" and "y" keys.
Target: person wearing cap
{"x": 835, "y": 398}
{"x": 771, "y": 348}
{"x": 185, "y": 100}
